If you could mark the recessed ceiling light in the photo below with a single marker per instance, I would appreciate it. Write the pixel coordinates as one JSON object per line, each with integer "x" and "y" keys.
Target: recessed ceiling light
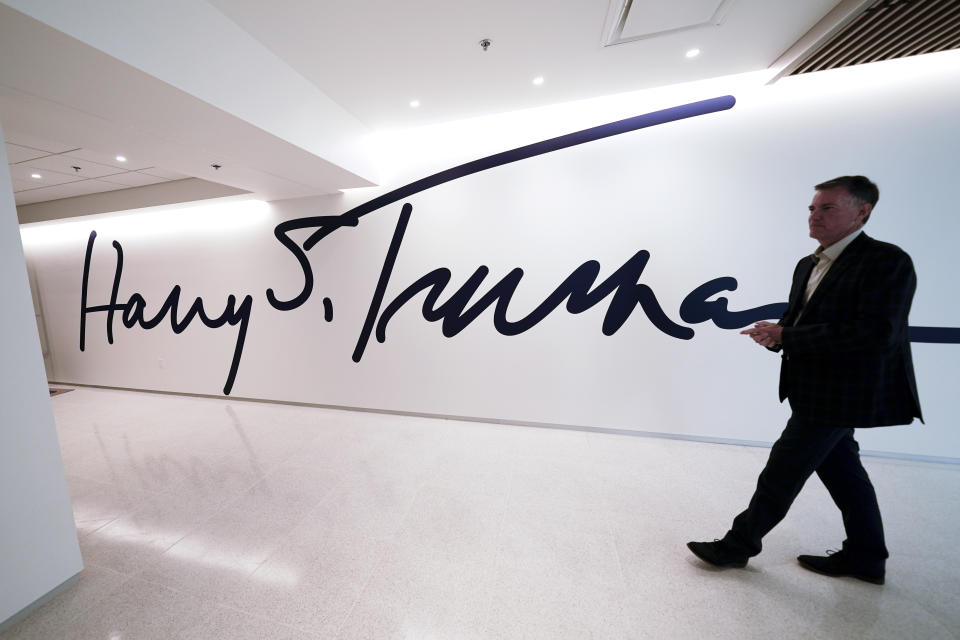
{"x": 414, "y": 104}
{"x": 35, "y": 176}
{"x": 121, "y": 158}
{"x": 693, "y": 53}
{"x": 538, "y": 80}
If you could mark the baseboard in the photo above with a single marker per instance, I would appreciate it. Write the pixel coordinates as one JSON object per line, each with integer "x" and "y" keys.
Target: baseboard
{"x": 519, "y": 423}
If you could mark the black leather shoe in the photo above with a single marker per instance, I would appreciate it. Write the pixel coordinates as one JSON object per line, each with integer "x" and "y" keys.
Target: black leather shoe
{"x": 718, "y": 554}
{"x": 837, "y": 564}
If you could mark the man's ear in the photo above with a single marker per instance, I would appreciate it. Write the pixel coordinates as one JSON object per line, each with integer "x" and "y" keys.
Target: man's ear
{"x": 863, "y": 213}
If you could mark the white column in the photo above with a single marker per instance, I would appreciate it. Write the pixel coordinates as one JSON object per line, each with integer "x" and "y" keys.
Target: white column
{"x": 38, "y": 538}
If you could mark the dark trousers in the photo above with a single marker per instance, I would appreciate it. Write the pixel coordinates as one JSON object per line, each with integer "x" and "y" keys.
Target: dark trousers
{"x": 835, "y": 456}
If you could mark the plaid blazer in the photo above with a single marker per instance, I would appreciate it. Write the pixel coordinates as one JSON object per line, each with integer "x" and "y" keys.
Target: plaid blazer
{"x": 846, "y": 358}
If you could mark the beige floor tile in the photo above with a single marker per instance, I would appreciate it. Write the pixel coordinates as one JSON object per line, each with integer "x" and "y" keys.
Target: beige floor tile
{"x": 217, "y": 519}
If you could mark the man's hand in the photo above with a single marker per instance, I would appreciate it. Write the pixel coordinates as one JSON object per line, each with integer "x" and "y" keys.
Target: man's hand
{"x": 766, "y": 334}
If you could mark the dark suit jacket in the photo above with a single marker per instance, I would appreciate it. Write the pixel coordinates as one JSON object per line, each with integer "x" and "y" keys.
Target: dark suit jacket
{"x": 847, "y": 361}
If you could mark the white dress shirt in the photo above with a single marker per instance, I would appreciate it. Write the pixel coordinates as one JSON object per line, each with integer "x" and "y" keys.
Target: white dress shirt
{"x": 824, "y": 259}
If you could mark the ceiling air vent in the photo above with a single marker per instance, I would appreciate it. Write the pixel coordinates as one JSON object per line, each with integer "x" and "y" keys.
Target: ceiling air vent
{"x": 889, "y": 29}
{"x": 632, "y": 20}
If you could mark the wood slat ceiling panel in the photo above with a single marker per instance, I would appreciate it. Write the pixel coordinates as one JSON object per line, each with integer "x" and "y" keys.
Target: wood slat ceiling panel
{"x": 889, "y": 29}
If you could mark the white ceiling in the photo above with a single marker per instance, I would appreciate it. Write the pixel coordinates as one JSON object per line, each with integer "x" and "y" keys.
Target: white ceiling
{"x": 373, "y": 57}
{"x": 280, "y": 93}
{"x": 44, "y": 170}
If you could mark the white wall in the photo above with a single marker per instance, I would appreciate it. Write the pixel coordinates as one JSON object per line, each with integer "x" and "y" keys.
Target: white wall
{"x": 38, "y": 540}
{"x": 718, "y": 195}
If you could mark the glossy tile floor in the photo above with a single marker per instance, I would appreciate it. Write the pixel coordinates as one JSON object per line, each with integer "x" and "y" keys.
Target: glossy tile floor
{"x": 208, "y": 519}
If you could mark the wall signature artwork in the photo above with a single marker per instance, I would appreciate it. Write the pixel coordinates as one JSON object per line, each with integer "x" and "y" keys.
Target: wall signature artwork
{"x": 577, "y": 292}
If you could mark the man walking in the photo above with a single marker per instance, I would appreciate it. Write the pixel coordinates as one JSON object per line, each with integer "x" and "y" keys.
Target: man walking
{"x": 846, "y": 364}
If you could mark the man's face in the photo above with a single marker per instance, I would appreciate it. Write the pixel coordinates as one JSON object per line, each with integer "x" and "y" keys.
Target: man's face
{"x": 834, "y": 214}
